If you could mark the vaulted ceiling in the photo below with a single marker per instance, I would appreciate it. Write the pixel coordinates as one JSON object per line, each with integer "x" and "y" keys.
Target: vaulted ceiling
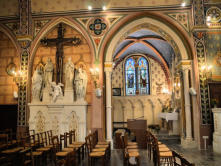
{"x": 145, "y": 42}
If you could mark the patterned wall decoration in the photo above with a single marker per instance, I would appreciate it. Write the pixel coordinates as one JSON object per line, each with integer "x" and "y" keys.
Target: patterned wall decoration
{"x": 198, "y": 12}
{"x": 200, "y": 48}
{"x": 55, "y": 126}
{"x": 14, "y": 27}
{"x": 157, "y": 77}
{"x": 213, "y": 52}
{"x": 213, "y": 15}
{"x": 182, "y": 19}
{"x": 97, "y": 26}
{"x": 40, "y": 122}
{"x": 22, "y": 91}
{"x": 38, "y": 25}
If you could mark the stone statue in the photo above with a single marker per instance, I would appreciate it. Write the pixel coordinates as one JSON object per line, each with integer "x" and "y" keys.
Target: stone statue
{"x": 80, "y": 83}
{"x": 48, "y": 73}
{"x": 69, "y": 74}
{"x": 37, "y": 82}
{"x": 56, "y": 91}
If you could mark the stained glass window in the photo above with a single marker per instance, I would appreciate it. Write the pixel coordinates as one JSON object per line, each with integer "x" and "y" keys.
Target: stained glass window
{"x": 130, "y": 77}
{"x": 137, "y": 76}
{"x": 143, "y": 76}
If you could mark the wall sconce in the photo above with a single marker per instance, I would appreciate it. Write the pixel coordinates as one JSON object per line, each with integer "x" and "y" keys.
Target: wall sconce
{"x": 176, "y": 84}
{"x": 206, "y": 72}
{"x": 165, "y": 91}
{"x": 18, "y": 77}
{"x": 95, "y": 77}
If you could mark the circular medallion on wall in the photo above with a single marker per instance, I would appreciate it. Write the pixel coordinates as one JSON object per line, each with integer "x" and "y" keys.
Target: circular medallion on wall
{"x": 97, "y": 26}
{"x": 214, "y": 13}
{"x": 11, "y": 69}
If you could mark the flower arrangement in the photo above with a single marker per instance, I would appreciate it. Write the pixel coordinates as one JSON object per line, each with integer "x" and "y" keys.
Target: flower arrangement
{"x": 213, "y": 103}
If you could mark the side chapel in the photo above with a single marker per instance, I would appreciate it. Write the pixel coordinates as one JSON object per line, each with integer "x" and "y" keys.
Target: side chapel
{"x": 66, "y": 65}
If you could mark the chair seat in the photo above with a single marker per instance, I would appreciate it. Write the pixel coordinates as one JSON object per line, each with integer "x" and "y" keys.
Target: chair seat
{"x": 164, "y": 149}
{"x": 162, "y": 146}
{"x": 103, "y": 143}
{"x": 166, "y": 154}
{"x": 61, "y": 154}
{"x": 43, "y": 149}
{"x": 132, "y": 147}
{"x": 34, "y": 154}
{"x": 97, "y": 154}
{"x": 133, "y": 154}
{"x": 49, "y": 146}
{"x": 99, "y": 150}
{"x": 132, "y": 150}
{"x": 78, "y": 143}
{"x": 101, "y": 146}
{"x": 132, "y": 143}
{"x": 68, "y": 149}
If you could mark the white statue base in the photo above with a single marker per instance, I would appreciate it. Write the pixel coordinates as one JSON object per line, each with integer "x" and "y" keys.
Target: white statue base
{"x": 59, "y": 117}
{"x": 217, "y": 130}
{"x": 69, "y": 95}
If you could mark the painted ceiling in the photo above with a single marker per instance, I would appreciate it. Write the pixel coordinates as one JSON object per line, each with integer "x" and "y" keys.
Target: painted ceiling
{"x": 70, "y": 5}
{"x": 145, "y": 42}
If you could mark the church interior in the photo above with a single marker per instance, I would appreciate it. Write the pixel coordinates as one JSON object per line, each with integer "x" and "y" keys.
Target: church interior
{"x": 110, "y": 82}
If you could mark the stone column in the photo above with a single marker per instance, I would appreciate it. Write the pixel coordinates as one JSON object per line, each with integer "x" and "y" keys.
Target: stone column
{"x": 108, "y": 71}
{"x": 187, "y": 102}
{"x": 217, "y": 130}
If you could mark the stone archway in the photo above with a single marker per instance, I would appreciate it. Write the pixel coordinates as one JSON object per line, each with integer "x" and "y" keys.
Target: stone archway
{"x": 177, "y": 41}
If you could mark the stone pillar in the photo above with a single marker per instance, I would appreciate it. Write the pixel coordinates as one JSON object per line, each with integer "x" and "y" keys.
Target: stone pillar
{"x": 217, "y": 130}
{"x": 188, "y": 140}
{"x": 108, "y": 71}
{"x": 187, "y": 103}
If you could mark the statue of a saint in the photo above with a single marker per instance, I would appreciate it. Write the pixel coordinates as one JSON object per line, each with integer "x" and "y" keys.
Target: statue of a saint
{"x": 48, "y": 73}
{"x": 56, "y": 91}
{"x": 80, "y": 83}
{"x": 37, "y": 81}
{"x": 69, "y": 74}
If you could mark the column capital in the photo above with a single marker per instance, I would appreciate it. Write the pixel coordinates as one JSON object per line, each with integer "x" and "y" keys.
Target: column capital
{"x": 185, "y": 65}
{"x": 108, "y": 66}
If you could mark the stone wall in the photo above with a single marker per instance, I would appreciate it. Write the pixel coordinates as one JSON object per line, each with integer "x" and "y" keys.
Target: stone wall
{"x": 8, "y": 54}
{"x": 131, "y": 107}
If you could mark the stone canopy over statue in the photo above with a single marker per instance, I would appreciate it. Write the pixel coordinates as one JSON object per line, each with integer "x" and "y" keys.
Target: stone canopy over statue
{"x": 74, "y": 84}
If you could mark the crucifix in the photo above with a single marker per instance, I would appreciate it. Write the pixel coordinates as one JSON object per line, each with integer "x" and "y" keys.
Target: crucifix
{"x": 60, "y": 42}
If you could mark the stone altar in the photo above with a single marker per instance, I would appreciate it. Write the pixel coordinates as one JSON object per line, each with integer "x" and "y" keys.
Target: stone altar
{"x": 57, "y": 111}
{"x": 217, "y": 130}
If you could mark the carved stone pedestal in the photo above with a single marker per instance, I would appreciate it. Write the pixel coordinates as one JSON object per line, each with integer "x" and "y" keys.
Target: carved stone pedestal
{"x": 217, "y": 130}
{"x": 59, "y": 117}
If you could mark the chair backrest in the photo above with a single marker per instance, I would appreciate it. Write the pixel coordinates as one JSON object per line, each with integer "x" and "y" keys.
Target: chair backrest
{"x": 63, "y": 140}
{"x": 122, "y": 141}
{"x": 3, "y": 138}
{"x": 56, "y": 144}
{"x": 179, "y": 160}
{"x": 50, "y": 135}
{"x": 88, "y": 144}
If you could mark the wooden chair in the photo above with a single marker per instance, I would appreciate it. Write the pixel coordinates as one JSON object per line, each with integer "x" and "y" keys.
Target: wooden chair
{"x": 180, "y": 161}
{"x": 92, "y": 155}
{"x": 50, "y": 135}
{"x": 59, "y": 155}
{"x": 161, "y": 157}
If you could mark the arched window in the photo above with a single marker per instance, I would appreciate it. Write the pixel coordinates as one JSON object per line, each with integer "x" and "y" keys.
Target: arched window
{"x": 143, "y": 76}
{"x": 137, "y": 76}
{"x": 130, "y": 77}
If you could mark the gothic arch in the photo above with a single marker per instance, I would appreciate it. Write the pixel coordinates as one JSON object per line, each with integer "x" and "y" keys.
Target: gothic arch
{"x": 11, "y": 36}
{"x": 130, "y": 24}
{"x": 45, "y": 30}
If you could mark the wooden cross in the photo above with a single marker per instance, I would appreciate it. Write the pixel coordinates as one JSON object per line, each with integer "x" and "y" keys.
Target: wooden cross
{"x": 60, "y": 42}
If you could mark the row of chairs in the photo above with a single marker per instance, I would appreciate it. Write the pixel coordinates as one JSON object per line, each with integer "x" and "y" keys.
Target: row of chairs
{"x": 97, "y": 149}
{"x": 130, "y": 151}
{"x": 162, "y": 155}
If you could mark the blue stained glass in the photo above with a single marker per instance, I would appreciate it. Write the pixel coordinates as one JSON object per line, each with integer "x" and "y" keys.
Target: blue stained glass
{"x": 130, "y": 77}
{"x": 143, "y": 76}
